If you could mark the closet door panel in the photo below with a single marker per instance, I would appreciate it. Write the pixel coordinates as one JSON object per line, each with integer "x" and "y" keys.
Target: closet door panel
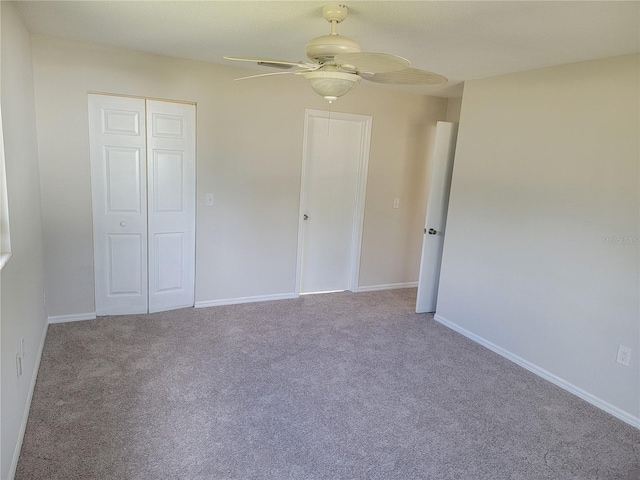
{"x": 171, "y": 217}
{"x": 119, "y": 194}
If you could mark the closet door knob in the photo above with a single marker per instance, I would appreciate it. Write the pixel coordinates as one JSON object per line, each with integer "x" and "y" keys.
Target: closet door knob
{"x": 432, "y": 231}
{"x": 123, "y": 224}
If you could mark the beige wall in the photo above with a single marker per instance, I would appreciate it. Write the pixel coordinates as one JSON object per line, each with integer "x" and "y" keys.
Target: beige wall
{"x": 22, "y": 310}
{"x": 249, "y": 145}
{"x": 545, "y": 182}
{"x": 453, "y": 109}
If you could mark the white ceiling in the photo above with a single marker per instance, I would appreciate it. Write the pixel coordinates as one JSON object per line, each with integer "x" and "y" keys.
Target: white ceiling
{"x": 460, "y": 40}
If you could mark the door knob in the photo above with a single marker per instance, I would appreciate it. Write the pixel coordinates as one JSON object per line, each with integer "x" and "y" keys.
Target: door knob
{"x": 432, "y": 231}
{"x": 305, "y": 217}
{"x": 122, "y": 224}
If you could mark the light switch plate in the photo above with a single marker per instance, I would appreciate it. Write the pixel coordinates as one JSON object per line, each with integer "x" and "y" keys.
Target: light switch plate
{"x": 209, "y": 200}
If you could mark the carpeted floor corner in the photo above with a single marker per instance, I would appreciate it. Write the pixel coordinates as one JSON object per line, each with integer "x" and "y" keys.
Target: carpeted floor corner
{"x": 331, "y": 386}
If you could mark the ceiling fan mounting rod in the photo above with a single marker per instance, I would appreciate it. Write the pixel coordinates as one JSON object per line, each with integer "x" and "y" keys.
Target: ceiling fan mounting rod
{"x": 334, "y": 13}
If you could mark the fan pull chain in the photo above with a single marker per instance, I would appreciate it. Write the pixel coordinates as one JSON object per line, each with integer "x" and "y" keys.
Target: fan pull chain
{"x": 329, "y": 122}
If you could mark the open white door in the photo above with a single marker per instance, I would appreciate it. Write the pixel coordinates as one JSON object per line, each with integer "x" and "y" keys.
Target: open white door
{"x": 436, "y": 218}
{"x": 171, "y": 174}
{"x": 119, "y": 194}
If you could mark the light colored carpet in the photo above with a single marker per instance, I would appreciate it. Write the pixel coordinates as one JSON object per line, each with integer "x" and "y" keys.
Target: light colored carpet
{"x": 331, "y": 386}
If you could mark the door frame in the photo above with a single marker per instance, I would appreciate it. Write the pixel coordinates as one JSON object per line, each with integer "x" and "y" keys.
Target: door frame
{"x": 361, "y": 190}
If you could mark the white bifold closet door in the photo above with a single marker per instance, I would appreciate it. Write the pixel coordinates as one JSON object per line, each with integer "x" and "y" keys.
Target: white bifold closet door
{"x": 143, "y": 190}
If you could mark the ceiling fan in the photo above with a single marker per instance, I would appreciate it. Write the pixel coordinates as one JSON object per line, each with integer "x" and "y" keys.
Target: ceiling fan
{"x": 338, "y": 64}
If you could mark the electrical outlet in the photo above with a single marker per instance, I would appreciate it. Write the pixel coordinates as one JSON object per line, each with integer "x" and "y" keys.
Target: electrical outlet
{"x": 396, "y": 203}
{"x": 624, "y": 355}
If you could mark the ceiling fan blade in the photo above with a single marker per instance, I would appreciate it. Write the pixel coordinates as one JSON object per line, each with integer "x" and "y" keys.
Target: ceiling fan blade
{"x": 270, "y": 62}
{"x": 270, "y": 74}
{"x": 407, "y": 76}
{"x": 369, "y": 62}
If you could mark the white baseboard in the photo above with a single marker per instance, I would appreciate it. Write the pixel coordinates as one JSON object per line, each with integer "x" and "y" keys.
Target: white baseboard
{"x": 76, "y": 317}
{"x": 541, "y": 372}
{"x": 235, "y": 301}
{"x": 388, "y": 286}
{"x": 27, "y": 408}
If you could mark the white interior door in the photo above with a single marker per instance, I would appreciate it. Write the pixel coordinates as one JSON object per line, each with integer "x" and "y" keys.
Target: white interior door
{"x": 436, "y": 218}
{"x": 119, "y": 193}
{"x": 143, "y": 189}
{"x": 171, "y": 170}
{"x": 336, "y": 151}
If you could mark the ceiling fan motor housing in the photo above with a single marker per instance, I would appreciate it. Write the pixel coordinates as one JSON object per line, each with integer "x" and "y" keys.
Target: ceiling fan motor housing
{"x": 323, "y": 49}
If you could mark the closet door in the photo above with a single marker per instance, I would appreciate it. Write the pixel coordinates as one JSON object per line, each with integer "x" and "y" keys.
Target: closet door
{"x": 118, "y": 182}
{"x": 171, "y": 172}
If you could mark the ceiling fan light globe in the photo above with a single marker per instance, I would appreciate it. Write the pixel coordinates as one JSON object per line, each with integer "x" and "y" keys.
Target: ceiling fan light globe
{"x": 331, "y": 85}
